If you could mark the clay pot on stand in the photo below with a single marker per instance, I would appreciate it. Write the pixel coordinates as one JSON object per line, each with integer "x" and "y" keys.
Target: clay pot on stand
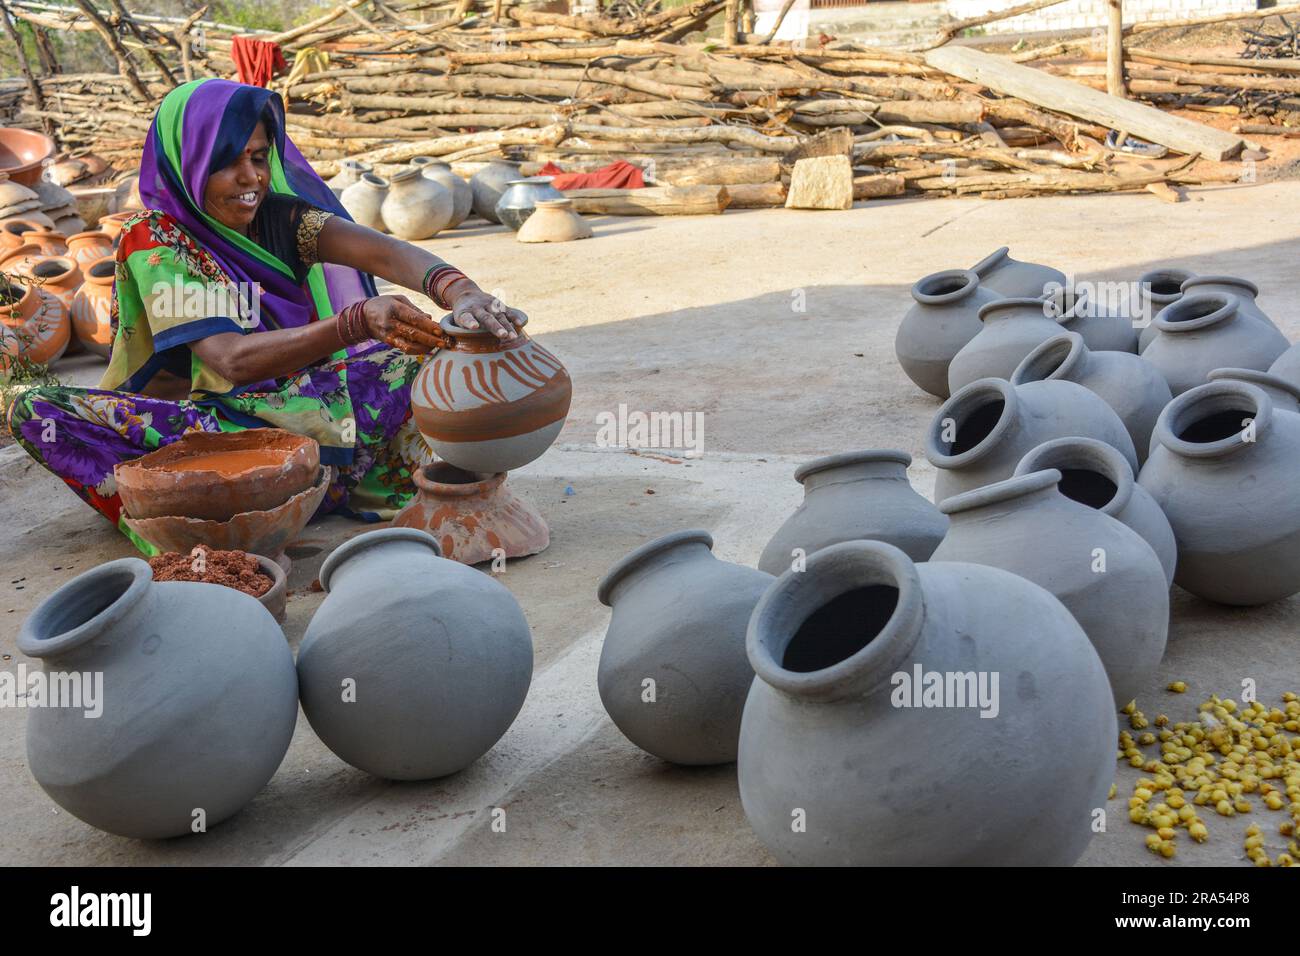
{"x": 489, "y": 183}
{"x": 1108, "y": 577}
{"x": 198, "y": 700}
{"x": 980, "y": 434}
{"x": 837, "y": 734}
{"x": 350, "y": 170}
{"x": 1284, "y": 394}
{"x": 88, "y": 247}
{"x": 500, "y": 426}
{"x": 553, "y": 220}
{"x": 364, "y": 198}
{"x": 462, "y": 196}
{"x": 1204, "y": 331}
{"x": 1157, "y": 289}
{"x": 1102, "y": 330}
{"x": 1095, "y": 474}
{"x": 473, "y": 515}
{"x": 1014, "y": 279}
{"x": 34, "y": 325}
{"x": 856, "y": 496}
{"x": 673, "y": 673}
{"x": 92, "y": 307}
{"x": 1011, "y": 329}
{"x": 1223, "y": 470}
{"x": 520, "y": 199}
{"x": 439, "y": 656}
{"x": 944, "y": 317}
{"x": 1134, "y": 388}
{"x": 415, "y": 207}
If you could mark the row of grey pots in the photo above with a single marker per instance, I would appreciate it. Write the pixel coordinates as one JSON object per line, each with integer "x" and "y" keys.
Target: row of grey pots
{"x": 416, "y": 203}
{"x": 412, "y": 668}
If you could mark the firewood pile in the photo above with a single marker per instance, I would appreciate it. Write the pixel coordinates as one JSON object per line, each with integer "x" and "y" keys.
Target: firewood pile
{"x": 383, "y": 81}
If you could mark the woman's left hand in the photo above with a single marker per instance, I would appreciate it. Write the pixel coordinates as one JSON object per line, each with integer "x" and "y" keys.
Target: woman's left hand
{"x": 474, "y": 308}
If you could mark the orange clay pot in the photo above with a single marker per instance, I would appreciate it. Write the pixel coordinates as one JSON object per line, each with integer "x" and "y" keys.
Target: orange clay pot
{"x": 16, "y": 231}
{"x": 50, "y": 243}
{"x": 33, "y": 324}
{"x": 86, "y": 247}
{"x": 58, "y": 275}
{"x": 16, "y": 261}
{"x": 92, "y": 307}
{"x": 112, "y": 224}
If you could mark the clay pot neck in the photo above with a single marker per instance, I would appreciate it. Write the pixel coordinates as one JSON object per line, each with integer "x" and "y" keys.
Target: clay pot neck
{"x": 972, "y": 423}
{"x": 854, "y": 466}
{"x": 405, "y": 177}
{"x": 16, "y": 298}
{"x": 479, "y": 340}
{"x": 80, "y": 612}
{"x": 402, "y": 542}
{"x": 1230, "y": 285}
{"x": 1017, "y": 493}
{"x": 945, "y": 288}
{"x": 1197, "y": 312}
{"x": 373, "y": 181}
{"x": 1282, "y": 393}
{"x": 1062, "y": 357}
{"x": 1215, "y": 420}
{"x": 1162, "y": 286}
{"x": 663, "y": 552}
{"x": 53, "y": 270}
{"x": 102, "y": 271}
{"x": 1000, "y": 310}
{"x": 841, "y": 628}
{"x": 444, "y": 480}
{"x": 1092, "y": 472}
{"x": 994, "y": 260}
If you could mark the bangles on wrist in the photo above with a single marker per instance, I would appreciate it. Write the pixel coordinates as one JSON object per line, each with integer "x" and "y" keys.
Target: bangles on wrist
{"x": 351, "y": 323}
{"x": 438, "y": 280}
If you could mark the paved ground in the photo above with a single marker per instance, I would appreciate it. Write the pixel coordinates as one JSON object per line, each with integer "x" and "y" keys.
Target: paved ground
{"x": 690, "y": 314}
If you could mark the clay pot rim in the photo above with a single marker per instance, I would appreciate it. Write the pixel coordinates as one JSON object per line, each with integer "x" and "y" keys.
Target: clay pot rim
{"x": 1085, "y": 454}
{"x": 13, "y": 309}
{"x": 1203, "y": 400}
{"x": 531, "y": 181}
{"x": 424, "y": 162}
{"x": 993, "y": 259}
{"x": 1179, "y": 276}
{"x": 88, "y": 234}
{"x": 1225, "y": 307}
{"x": 1070, "y": 343}
{"x": 373, "y": 180}
{"x": 639, "y": 555}
{"x": 404, "y": 174}
{"x": 1220, "y": 280}
{"x": 1018, "y": 302}
{"x": 796, "y": 595}
{"x": 1008, "y": 489}
{"x": 968, "y": 399}
{"x": 1255, "y": 377}
{"x": 844, "y": 458}
{"x": 368, "y": 540}
{"x": 279, "y": 579}
{"x": 356, "y": 164}
{"x": 443, "y": 489}
{"x": 43, "y": 633}
{"x": 970, "y": 282}
{"x": 274, "y": 440}
{"x": 89, "y": 271}
{"x": 32, "y": 224}
{"x": 449, "y": 325}
{"x": 70, "y": 265}
{"x": 21, "y": 250}
{"x": 565, "y": 203}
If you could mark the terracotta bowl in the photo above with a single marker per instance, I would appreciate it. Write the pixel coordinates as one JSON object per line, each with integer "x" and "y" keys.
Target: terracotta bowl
{"x": 274, "y": 599}
{"x": 218, "y": 475}
{"x": 257, "y": 532}
{"x": 22, "y": 154}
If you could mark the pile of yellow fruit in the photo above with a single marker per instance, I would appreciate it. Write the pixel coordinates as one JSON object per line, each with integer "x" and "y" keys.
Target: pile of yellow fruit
{"x": 1229, "y": 751}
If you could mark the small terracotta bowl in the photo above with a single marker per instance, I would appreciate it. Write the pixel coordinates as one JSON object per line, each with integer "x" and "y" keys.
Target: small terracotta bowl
{"x": 274, "y": 599}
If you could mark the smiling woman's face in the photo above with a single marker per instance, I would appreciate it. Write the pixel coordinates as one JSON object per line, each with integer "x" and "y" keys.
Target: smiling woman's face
{"x": 234, "y": 192}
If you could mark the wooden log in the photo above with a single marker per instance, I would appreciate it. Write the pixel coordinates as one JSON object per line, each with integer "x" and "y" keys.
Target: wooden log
{"x": 1060, "y": 94}
{"x": 756, "y": 195}
{"x": 710, "y": 134}
{"x": 445, "y": 145}
{"x": 1115, "y": 49}
{"x": 1236, "y": 63}
{"x": 652, "y": 201}
{"x": 124, "y": 64}
{"x": 818, "y": 113}
{"x": 877, "y": 185}
{"x": 723, "y": 172}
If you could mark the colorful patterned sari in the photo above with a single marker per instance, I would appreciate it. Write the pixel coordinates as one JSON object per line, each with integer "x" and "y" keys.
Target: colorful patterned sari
{"x": 173, "y": 262}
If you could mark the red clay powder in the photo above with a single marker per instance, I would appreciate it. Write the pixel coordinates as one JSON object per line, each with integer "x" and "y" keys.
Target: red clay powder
{"x": 234, "y": 569}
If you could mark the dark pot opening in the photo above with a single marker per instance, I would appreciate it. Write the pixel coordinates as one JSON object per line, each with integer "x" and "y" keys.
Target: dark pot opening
{"x": 1216, "y": 426}
{"x": 977, "y": 426}
{"x": 944, "y": 286}
{"x": 10, "y": 292}
{"x": 96, "y": 596}
{"x": 1166, "y": 285}
{"x": 446, "y": 473}
{"x": 102, "y": 270}
{"x": 840, "y": 628}
{"x": 1194, "y": 309}
{"x": 1087, "y": 487}
{"x": 49, "y": 270}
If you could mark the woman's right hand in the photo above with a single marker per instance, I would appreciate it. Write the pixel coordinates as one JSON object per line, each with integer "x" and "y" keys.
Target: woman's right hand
{"x": 393, "y": 320}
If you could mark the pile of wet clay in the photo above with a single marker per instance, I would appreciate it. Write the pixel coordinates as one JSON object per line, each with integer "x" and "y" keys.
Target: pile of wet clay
{"x": 234, "y": 569}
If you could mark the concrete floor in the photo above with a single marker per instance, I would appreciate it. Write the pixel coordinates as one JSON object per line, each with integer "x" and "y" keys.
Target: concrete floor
{"x": 694, "y": 315}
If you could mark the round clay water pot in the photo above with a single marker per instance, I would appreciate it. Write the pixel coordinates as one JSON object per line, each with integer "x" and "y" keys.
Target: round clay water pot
{"x": 1105, "y": 573}
{"x": 1245, "y": 291}
{"x": 92, "y": 307}
{"x": 350, "y": 170}
{"x": 837, "y": 733}
{"x": 553, "y": 220}
{"x": 1287, "y": 365}
{"x": 34, "y": 325}
{"x": 489, "y": 183}
{"x": 14, "y": 231}
{"x": 199, "y": 700}
{"x": 472, "y": 515}
{"x": 488, "y": 405}
{"x": 217, "y": 475}
{"x": 111, "y": 225}
{"x": 679, "y": 623}
{"x": 1284, "y": 394}
{"x": 1010, "y": 330}
{"x": 1102, "y": 330}
{"x": 1223, "y": 470}
{"x": 49, "y": 242}
{"x": 414, "y": 666}
{"x": 60, "y": 276}
{"x": 1014, "y": 279}
{"x": 1156, "y": 289}
{"x": 1204, "y": 331}
{"x": 15, "y": 261}
{"x": 855, "y": 496}
{"x": 980, "y": 434}
{"x": 416, "y": 207}
{"x": 1131, "y": 386}
{"x": 364, "y": 199}
{"x": 941, "y": 320}
{"x": 91, "y": 246}
{"x": 520, "y": 199}
{"x": 462, "y": 196}
{"x": 1095, "y": 474}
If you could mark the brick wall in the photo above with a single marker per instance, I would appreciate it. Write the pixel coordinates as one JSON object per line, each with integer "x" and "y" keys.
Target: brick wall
{"x": 1076, "y": 14}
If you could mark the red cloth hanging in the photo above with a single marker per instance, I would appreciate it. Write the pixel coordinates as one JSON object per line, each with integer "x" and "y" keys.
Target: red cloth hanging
{"x": 617, "y": 175}
{"x": 256, "y": 60}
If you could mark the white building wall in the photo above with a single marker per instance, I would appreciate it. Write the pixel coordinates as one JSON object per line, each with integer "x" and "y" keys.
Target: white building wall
{"x": 1082, "y": 14}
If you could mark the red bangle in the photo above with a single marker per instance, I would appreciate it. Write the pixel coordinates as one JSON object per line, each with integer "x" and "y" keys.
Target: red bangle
{"x": 437, "y": 280}
{"x": 351, "y": 324}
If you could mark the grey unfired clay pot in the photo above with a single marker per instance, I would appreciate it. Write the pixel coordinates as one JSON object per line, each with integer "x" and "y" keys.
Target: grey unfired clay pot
{"x": 855, "y": 496}
{"x": 1103, "y": 572}
{"x": 364, "y": 199}
{"x": 199, "y": 700}
{"x": 1156, "y": 289}
{"x": 350, "y": 170}
{"x": 942, "y": 319}
{"x": 834, "y": 771}
{"x": 438, "y": 655}
{"x": 1287, "y": 365}
{"x": 416, "y": 207}
{"x": 1284, "y": 394}
{"x": 1011, "y": 329}
{"x": 673, "y": 673}
{"x": 1014, "y": 279}
{"x": 462, "y": 196}
{"x": 489, "y": 183}
{"x": 1095, "y": 474}
{"x": 980, "y": 434}
{"x": 1134, "y": 388}
{"x": 519, "y": 201}
{"x": 1102, "y": 330}
{"x": 1228, "y": 490}
{"x": 1207, "y": 330}
{"x": 1245, "y": 290}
